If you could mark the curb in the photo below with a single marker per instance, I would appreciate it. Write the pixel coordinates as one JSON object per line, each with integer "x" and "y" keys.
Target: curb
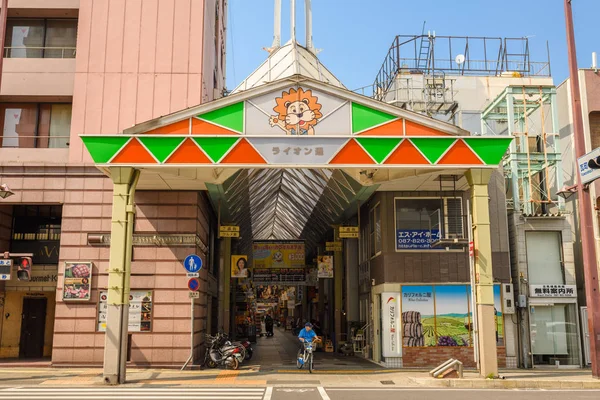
{"x": 504, "y": 383}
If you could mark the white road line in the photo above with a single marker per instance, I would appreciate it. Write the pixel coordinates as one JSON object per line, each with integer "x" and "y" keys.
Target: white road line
{"x": 323, "y": 393}
{"x": 268, "y": 393}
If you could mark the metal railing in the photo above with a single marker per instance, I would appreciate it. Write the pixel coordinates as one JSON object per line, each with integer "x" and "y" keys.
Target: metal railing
{"x": 35, "y": 142}
{"x": 39, "y": 52}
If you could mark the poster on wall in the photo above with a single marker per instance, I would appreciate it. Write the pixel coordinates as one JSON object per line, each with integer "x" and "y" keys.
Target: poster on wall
{"x": 452, "y": 315}
{"x": 140, "y": 311}
{"x": 390, "y": 324}
{"x": 416, "y": 239}
{"x": 239, "y": 266}
{"x": 418, "y": 316}
{"x": 325, "y": 266}
{"x": 278, "y": 254}
{"x": 77, "y": 281}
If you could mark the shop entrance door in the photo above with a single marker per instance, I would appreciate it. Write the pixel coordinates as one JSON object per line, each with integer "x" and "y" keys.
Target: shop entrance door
{"x": 33, "y": 324}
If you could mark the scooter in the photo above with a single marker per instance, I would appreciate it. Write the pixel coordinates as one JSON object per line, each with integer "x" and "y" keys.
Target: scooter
{"x": 246, "y": 344}
{"x": 228, "y": 355}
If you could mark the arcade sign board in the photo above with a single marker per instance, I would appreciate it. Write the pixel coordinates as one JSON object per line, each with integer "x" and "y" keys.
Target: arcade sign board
{"x": 349, "y": 232}
{"x": 229, "y": 231}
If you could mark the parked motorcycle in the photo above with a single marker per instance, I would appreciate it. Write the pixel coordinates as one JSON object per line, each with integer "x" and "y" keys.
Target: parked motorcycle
{"x": 223, "y": 353}
{"x": 246, "y": 344}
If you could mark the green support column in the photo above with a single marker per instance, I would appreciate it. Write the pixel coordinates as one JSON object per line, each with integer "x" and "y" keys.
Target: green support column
{"x": 478, "y": 180}
{"x": 119, "y": 273}
{"x": 338, "y": 267}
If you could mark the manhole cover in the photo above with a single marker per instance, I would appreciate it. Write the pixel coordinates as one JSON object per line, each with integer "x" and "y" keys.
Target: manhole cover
{"x": 387, "y": 382}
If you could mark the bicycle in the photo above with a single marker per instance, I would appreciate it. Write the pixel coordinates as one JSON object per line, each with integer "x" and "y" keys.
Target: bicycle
{"x": 306, "y": 357}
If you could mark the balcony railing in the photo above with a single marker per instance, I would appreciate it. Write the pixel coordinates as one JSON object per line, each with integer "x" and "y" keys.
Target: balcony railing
{"x": 39, "y": 52}
{"x": 35, "y": 142}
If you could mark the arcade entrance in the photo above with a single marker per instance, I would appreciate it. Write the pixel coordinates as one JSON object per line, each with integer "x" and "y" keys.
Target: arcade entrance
{"x": 299, "y": 161}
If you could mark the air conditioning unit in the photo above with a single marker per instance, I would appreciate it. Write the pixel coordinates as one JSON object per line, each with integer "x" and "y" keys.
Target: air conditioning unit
{"x": 508, "y": 298}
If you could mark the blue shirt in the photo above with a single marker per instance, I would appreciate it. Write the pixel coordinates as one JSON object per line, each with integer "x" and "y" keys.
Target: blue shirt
{"x": 307, "y": 335}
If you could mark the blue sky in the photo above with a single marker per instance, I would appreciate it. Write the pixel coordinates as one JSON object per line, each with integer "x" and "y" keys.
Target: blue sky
{"x": 355, "y": 35}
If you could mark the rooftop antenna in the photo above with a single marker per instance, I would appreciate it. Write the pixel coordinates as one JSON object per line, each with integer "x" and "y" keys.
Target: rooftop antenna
{"x": 309, "y": 38}
{"x": 293, "y": 20}
{"x": 277, "y": 26}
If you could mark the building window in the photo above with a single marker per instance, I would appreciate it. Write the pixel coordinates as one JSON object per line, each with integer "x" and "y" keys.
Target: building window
{"x": 33, "y": 125}
{"x": 36, "y": 229}
{"x": 375, "y": 230}
{"x": 422, "y": 221}
{"x": 40, "y": 38}
{"x": 544, "y": 258}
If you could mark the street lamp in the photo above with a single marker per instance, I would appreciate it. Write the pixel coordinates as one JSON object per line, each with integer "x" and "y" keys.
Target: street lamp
{"x": 5, "y": 191}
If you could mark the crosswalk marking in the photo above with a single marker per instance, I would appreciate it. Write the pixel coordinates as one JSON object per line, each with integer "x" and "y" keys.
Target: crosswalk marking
{"x": 102, "y": 393}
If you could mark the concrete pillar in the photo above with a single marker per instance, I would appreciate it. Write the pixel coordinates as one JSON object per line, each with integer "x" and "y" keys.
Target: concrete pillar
{"x": 338, "y": 278}
{"x": 119, "y": 273}
{"x": 478, "y": 180}
{"x": 225, "y": 285}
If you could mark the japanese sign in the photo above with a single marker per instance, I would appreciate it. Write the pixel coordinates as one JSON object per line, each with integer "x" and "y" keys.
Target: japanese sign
{"x": 229, "y": 231}
{"x": 268, "y": 275}
{"x": 390, "y": 315}
{"x": 333, "y": 246}
{"x": 552, "y": 291}
{"x": 588, "y": 166}
{"x": 274, "y": 254}
{"x": 140, "y": 311}
{"x": 5, "y": 269}
{"x": 77, "y": 281}
{"x": 239, "y": 266}
{"x": 307, "y": 151}
{"x": 414, "y": 239}
{"x": 325, "y": 266}
{"x": 349, "y": 232}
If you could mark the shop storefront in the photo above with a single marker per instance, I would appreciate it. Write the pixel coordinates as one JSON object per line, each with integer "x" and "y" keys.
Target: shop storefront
{"x": 553, "y": 320}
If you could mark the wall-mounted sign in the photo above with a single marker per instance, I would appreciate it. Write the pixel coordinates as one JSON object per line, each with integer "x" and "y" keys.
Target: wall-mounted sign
{"x": 333, "y": 246}
{"x": 416, "y": 239}
{"x": 5, "y": 269}
{"x": 349, "y": 232}
{"x": 140, "y": 311}
{"x": 230, "y": 231}
{"x": 77, "y": 281}
{"x": 390, "y": 326}
{"x": 552, "y": 291}
{"x": 239, "y": 266}
{"x": 275, "y": 254}
{"x": 45, "y": 277}
{"x": 325, "y": 266}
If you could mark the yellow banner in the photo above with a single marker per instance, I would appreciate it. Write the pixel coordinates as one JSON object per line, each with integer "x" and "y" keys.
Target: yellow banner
{"x": 278, "y": 254}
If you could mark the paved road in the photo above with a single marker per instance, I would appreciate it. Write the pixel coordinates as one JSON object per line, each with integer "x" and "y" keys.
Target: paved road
{"x": 291, "y": 393}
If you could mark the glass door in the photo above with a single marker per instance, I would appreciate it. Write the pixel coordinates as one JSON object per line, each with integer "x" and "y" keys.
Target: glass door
{"x": 554, "y": 339}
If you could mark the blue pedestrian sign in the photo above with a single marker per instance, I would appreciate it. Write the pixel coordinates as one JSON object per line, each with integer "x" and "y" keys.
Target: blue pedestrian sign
{"x": 192, "y": 263}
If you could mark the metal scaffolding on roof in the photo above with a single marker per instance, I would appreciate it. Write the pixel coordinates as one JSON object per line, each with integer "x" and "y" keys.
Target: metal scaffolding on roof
{"x": 532, "y": 166}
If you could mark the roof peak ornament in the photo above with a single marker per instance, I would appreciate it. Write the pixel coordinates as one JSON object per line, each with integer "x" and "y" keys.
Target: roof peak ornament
{"x": 277, "y": 26}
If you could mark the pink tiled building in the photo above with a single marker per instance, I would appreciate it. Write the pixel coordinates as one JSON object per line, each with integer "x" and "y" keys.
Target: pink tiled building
{"x": 74, "y": 67}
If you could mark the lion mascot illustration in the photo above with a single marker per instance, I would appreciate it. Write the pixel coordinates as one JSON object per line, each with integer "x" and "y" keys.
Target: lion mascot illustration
{"x": 297, "y": 112}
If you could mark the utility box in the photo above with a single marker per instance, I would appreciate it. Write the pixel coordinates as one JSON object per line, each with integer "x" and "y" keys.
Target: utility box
{"x": 508, "y": 297}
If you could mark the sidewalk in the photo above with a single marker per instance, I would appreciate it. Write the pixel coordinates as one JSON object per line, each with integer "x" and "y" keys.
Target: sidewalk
{"x": 253, "y": 377}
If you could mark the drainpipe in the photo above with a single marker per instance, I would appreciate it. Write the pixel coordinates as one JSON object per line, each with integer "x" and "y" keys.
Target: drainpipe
{"x": 309, "y": 35}
{"x": 3, "y": 17}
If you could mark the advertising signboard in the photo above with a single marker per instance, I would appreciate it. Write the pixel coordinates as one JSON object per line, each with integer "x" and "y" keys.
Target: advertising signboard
{"x": 77, "y": 281}
{"x": 390, "y": 313}
{"x": 278, "y": 254}
{"x": 325, "y": 266}
{"x": 589, "y": 169}
{"x": 239, "y": 266}
{"x": 140, "y": 311}
{"x": 414, "y": 239}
